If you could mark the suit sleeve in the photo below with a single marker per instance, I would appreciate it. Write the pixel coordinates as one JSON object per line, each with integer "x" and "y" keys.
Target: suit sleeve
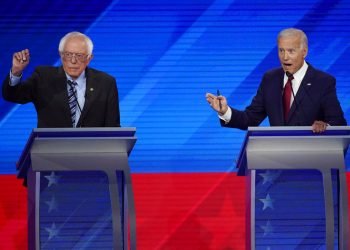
{"x": 253, "y": 114}
{"x": 22, "y": 92}
{"x": 333, "y": 113}
{"x": 112, "y": 118}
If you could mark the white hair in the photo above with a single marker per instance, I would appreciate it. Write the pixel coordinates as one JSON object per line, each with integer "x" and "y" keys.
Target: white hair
{"x": 294, "y": 32}
{"x": 87, "y": 39}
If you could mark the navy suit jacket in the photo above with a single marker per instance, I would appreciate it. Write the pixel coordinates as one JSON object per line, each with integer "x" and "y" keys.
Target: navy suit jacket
{"x": 316, "y": 99}
{"x": 47, "y": 89}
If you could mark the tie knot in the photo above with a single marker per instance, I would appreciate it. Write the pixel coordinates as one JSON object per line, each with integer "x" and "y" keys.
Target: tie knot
{"x": 72, "y": 83}
{"x": 290, "y": 76}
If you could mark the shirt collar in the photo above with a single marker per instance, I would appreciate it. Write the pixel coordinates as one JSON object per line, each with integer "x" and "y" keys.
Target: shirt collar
{"x": 299, "y": 75}
{"x": 80, "y": 80}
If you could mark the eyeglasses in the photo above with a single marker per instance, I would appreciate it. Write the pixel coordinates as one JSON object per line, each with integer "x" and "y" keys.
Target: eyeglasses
{"x": 78, "y": 56}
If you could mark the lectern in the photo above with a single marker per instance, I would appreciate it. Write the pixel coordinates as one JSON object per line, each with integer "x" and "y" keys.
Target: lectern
{"x": 79, "y": 188}
{"x": 297, "y": 188}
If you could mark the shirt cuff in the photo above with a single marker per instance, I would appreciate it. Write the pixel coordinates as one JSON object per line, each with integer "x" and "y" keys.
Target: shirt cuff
{"x": 227, "y": 116}
{"x": 14, "y": 80}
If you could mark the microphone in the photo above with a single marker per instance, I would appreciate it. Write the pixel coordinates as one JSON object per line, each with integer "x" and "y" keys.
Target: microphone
{"x": 71, "y": 85}
{"x": 297, "y": 108}
{"x": 291, "y": 77}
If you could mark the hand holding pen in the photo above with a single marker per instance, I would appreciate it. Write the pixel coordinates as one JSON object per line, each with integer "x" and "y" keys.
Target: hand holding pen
{"x": 218, "y": 94}
{"x": 217, "y": 102}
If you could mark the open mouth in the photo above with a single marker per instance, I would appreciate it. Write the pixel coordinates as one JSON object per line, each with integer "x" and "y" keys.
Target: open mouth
{"x": 287, "y": 64}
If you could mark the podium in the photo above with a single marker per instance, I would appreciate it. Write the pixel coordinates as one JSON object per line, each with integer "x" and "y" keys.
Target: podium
{"x": 80, "y": 193}
{"x": 296, "y": 184}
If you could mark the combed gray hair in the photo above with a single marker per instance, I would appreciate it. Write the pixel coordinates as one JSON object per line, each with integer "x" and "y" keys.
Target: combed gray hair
{"x": 87, "y": 39}
{"x": 294, "y": 32}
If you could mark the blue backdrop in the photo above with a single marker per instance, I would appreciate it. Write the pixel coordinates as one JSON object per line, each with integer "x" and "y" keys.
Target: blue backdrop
{"x": 165, "y": 56}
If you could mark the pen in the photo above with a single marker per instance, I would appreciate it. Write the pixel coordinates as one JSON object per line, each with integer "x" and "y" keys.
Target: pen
{"x": 218, "y": 94}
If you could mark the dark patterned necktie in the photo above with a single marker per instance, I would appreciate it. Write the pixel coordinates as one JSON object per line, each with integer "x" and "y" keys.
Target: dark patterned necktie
{"x": 72, "y": 100}
{"x": 287, "y": 93}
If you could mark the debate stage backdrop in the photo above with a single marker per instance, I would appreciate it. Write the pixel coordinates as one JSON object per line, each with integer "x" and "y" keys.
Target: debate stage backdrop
{"x": 165, "y": 56}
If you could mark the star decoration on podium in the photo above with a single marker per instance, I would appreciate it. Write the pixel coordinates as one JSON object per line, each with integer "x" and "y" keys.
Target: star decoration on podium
{"x": 268, "y": 229}
{"x": 52, "y": 179}
{"x": 52, "y": 204}
{"x": 268, "y": 202}
{"x": 53, "y": 231}
{"x": 269, "y": 176}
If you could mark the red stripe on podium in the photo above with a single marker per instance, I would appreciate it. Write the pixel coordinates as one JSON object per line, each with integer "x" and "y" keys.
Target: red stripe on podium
{"x": 174, "y": 211}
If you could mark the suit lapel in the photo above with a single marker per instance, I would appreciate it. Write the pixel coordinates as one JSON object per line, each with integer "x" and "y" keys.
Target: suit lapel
{"x": 301, "y": 92}
{"x": 279, "y": 103}
{"x": 91, "y": 88}
{"x": 61, "y": 85}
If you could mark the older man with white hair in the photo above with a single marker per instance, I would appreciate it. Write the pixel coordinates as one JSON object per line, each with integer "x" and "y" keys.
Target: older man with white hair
{"x": 72, "y": 95}
{"x": 296, "y": 94}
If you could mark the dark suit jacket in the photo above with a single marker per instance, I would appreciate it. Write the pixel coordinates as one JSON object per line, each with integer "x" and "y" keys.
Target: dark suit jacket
{"x": 47, "y": 89}
{"x": 316, "y": 99}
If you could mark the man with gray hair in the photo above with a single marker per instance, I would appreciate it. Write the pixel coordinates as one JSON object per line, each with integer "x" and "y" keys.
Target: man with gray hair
{"x": 296, "y": 94}
{"x": 72, "y": 95}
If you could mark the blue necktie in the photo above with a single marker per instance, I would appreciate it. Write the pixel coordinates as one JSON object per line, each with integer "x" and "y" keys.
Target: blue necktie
{"x": 72, "y": 99}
